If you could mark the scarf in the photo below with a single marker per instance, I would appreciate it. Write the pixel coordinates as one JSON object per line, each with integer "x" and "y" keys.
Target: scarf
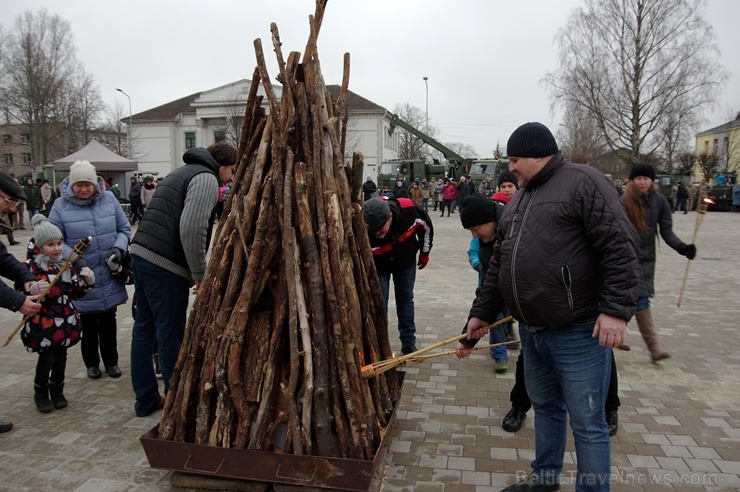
{"x": 43, "y": 262}
{"x": 46, "y": 193}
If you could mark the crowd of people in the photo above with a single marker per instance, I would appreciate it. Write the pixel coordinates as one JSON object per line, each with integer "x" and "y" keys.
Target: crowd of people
{"x": 554, "y": 244}
{"x": 65, "y": 303}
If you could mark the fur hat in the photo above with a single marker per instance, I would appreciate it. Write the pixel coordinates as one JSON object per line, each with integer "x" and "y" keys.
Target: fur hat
{"x": 641, "y": 169}
{"x": 376, "y": 214}
{"x": 531, "y": 140}
{"x": 508, "y": 177}
{"x": 477, "y": 209}
{"x": 82, "y": 172}
{"x": 11, "y": 187}
{"x": 44, "y": 231}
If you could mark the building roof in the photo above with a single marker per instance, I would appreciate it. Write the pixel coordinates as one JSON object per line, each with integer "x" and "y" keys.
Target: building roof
{"x": 356, "y": 103}
{"x": 168, "y": 110}
{"x": 724, "y": 127}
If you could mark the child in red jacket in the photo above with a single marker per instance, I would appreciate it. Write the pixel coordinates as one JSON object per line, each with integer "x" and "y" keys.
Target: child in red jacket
{"x": 56, "y": 326}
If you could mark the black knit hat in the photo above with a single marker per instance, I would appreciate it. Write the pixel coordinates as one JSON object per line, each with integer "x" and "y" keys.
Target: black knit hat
{"x": 11, "y": 187}
{"x": 376, "y": 214}
{"x": 641, "y": 169}
{"x": 531, "y": 140}
{"x": 477, "y": 209}
{"x": 508, "y": 177}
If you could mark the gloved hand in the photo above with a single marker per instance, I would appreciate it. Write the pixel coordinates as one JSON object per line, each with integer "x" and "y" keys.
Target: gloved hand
{"x": 36, "y": 288}
{"x": 479, "y": 268}
{"x": 88, "y": 275}
{"x": 115, "y": 256}
{"x": 687, "y": 250}
{"x": 423, "y": 260}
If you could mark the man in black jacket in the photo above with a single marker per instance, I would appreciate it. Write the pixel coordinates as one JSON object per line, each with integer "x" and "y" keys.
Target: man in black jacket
{"x": 398, "y": 230}
{"x": 564, "y": 263}
{"x": 10, "y": 194}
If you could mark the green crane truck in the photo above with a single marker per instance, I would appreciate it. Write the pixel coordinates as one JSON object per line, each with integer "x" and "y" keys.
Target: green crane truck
{"x": 457, "y": 163}
{"x": 410, "y": 169}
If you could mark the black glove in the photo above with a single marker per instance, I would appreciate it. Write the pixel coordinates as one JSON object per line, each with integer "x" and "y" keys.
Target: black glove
{"x": 687, "y": 250}
{"x": 479, "y": 268}
{"x": 114, "y": 258}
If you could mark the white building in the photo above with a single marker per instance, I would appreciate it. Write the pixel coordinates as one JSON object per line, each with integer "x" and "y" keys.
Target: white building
{"x": 161, "y": 135}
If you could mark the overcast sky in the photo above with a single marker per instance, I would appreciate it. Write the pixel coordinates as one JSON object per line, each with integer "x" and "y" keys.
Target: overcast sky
{"x": 484, "y": 59}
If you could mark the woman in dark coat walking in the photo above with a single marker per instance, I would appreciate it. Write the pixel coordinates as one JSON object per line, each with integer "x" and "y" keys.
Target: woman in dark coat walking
{"x": 649, "y": 212}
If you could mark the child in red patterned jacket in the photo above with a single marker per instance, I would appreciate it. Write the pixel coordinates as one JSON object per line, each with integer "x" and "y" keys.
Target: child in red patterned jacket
{"x": 56, "y": 327}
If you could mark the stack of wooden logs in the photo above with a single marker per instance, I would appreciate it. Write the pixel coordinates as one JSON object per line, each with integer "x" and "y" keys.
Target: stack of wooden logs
{"x": 290, "y": 308}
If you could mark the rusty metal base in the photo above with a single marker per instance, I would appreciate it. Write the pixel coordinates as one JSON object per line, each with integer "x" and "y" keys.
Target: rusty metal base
{"x": 265, "y": 466}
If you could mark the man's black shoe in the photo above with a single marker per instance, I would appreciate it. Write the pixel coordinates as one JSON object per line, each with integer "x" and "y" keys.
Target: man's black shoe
{"x": 612, "y": 421}
{"x": 514, "y": 420}
{"x": 5, "y": 426}
{"x": 93, "y": 372}
{"x": 114, "y": 372}
{"x": 532, "y": 484}
{"x": 408, "y": 350}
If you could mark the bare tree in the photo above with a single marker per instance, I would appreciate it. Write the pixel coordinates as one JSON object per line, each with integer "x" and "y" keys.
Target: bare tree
{"x": 685, "y": 163}
{"x": 410, "y": 146}
{"x": 629, "y": 63}
{"x": 114, "y": 126}
{"x": 579, "y": 135}
{"x": 43, "y": 82}
{"x": 708, "y": 164}
{"x": 83, "y": 107}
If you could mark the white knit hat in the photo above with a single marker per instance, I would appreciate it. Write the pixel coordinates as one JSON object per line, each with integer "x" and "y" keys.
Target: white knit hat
{"x": 44, "y": 231}
{"x": 82, "y": 171}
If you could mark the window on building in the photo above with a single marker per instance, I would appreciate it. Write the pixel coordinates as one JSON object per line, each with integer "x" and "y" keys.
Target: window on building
{"x": 189, "y": 140}
{"x": 715, "y": 149}
{"x": 26, "y": 158}
{"x": 8, "y": 159}
{"x": 219, "y": 136}
{"x": 7, "y": 139}
{"x": 25, "y": 138}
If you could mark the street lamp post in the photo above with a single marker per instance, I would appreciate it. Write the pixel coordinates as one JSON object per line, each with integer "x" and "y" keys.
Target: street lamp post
{"x": 426, "y": 83}
{"x": 130, "y": 122}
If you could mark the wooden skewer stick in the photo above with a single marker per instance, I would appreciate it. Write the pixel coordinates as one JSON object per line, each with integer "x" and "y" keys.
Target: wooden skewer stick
{"x": 422, "y": 358}
{"x": 78, "y": 250}
{"x": 701, "y": 210}
{"x": 372, "y": 370}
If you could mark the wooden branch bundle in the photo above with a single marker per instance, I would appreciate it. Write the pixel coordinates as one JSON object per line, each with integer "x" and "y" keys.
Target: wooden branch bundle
{"x": 290, "y": 307}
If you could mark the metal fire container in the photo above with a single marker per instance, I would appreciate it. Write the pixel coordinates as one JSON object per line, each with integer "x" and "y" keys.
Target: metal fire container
{"x": 265, "y": 466}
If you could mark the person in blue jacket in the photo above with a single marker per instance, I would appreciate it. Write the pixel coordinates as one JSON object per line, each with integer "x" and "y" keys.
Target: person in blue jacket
{"x": 479, "y": 215}
{"x": 86, "y": 208}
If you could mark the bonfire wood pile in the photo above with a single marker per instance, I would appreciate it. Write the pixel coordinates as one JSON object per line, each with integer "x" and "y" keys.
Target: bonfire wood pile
{"x": 290, "y": 307}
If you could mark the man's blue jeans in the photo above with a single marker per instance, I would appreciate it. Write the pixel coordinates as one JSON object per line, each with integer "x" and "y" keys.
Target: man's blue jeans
{"x": 403, "y": 286}
{"x": 161, "y": 312}
{"x": 567, "y": 373}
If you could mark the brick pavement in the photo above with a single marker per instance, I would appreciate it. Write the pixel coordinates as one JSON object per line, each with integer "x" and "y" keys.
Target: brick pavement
{"x": 679, "y": 421}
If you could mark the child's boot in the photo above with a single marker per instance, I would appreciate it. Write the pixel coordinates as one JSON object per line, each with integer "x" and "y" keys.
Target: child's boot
{"x": 57, "y": 396}
{"x": 41, "y": 398}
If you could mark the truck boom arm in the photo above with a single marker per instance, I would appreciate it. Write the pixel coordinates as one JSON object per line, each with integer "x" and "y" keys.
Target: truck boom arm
{"x": 452, "y": 157}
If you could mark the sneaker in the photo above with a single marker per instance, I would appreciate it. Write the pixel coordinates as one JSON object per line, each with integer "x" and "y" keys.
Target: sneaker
{"x": 514, "y": 420}
{"x": 532, "y": 484}
{"x": 612, "y": 421}
{"x": 501, "y": 366}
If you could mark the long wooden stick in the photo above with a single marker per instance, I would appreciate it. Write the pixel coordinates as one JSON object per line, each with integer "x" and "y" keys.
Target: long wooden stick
{"x": 372, "y": 370}
{"x": 701, "y": 210}
{"x": 422, "y": 358}
{"x": 78, "y": 250}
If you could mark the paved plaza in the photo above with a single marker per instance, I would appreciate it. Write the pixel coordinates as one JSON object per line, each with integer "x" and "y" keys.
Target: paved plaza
{"x": 679, "y": 420}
